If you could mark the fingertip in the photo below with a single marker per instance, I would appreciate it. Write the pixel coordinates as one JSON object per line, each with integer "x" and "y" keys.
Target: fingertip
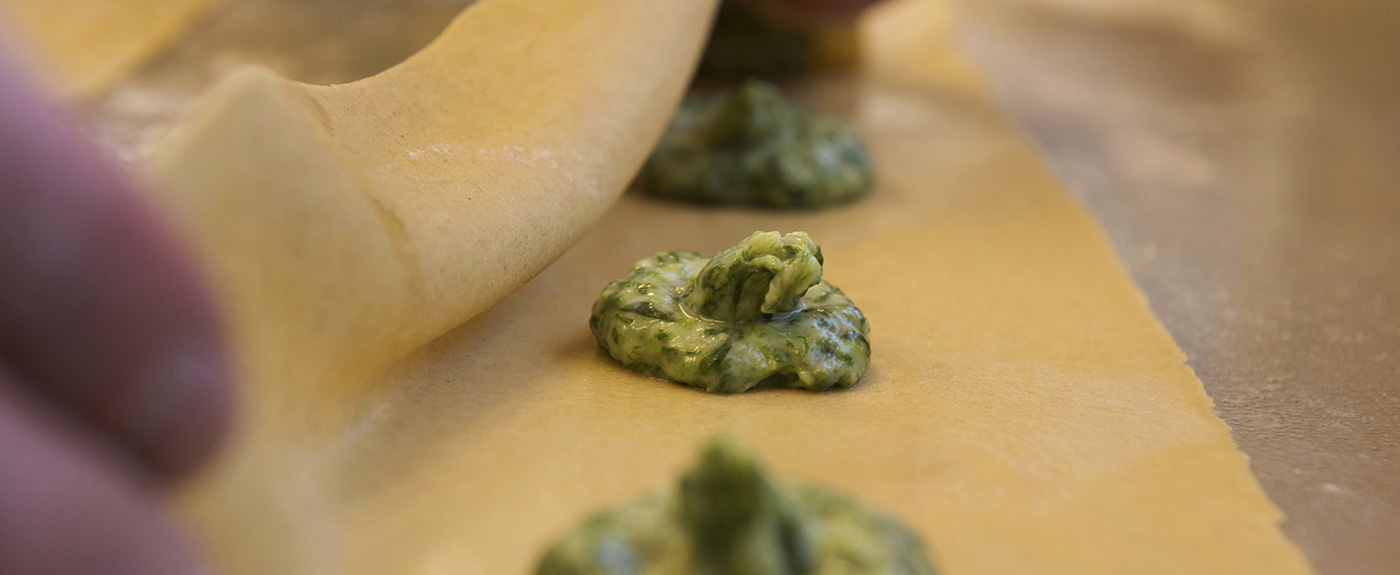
{"x": 102, "y": 308}
{"x": 181, "y": 410}
{"x": 67, "y": 509}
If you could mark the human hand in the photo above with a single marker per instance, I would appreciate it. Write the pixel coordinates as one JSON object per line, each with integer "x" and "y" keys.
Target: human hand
{"x": 113, "y": 379}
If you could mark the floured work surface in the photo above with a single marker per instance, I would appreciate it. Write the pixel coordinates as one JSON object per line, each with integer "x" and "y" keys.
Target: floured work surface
{"x": 1024, "y": 410}
{"x": 1241, "y": 156}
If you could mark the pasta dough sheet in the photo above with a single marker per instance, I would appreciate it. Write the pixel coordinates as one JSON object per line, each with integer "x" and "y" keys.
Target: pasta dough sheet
{"x": 1024, "y": 411}
{"x": 83, "y": 46}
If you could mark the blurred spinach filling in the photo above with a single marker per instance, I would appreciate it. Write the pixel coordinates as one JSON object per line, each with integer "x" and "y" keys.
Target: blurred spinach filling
{"x": 724, "y": 517}
{"x": 751, "y": 146}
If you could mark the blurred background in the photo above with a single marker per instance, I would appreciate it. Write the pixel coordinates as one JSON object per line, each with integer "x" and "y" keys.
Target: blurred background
{"x": 1243, "y": 156}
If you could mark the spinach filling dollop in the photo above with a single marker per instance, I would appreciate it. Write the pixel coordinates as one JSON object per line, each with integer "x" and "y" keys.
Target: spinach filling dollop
{"x": 751, "y": 146}
{"x": 757, "y": 312}
{"x": 726, "y": 518}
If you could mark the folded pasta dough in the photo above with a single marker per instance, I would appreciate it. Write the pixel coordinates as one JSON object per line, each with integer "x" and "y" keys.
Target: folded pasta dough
{"x": 345, "y": 226}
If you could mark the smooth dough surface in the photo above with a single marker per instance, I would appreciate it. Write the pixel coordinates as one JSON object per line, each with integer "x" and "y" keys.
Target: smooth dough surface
{"x": 83, "y": 46}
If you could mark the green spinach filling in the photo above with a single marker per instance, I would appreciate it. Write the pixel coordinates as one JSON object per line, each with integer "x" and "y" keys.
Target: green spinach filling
{"x": 724, "y": 517}
{"x": 751, "y": 146}
{"x": 757, "y": 312}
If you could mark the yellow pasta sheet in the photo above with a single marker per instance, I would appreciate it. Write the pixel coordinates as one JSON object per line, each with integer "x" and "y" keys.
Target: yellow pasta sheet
{"x": 1025, "y": 413}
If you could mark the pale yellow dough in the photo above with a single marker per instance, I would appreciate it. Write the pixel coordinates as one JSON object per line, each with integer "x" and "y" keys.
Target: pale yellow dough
{"x": 346, "y": 226}
{"x": 81, "y": 47}
{"x": 1024, "y": 411}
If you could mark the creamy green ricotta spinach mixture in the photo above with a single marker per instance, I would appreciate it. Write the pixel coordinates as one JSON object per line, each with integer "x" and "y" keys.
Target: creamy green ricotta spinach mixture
{"x": 724, "y": 517}
{"x": 755, "y": 313}
{"x": 753, "y": 147}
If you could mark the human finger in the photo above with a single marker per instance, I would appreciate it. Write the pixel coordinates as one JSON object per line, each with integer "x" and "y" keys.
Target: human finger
{"x": 100, "y": 308}
{"x": 63, "y": 509}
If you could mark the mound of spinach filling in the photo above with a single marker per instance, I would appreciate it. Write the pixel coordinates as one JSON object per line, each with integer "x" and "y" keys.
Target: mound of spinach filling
{"x": 724, "y": 517}
{"x": 753, "y": 147}
{"x": 755, "y": 313}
